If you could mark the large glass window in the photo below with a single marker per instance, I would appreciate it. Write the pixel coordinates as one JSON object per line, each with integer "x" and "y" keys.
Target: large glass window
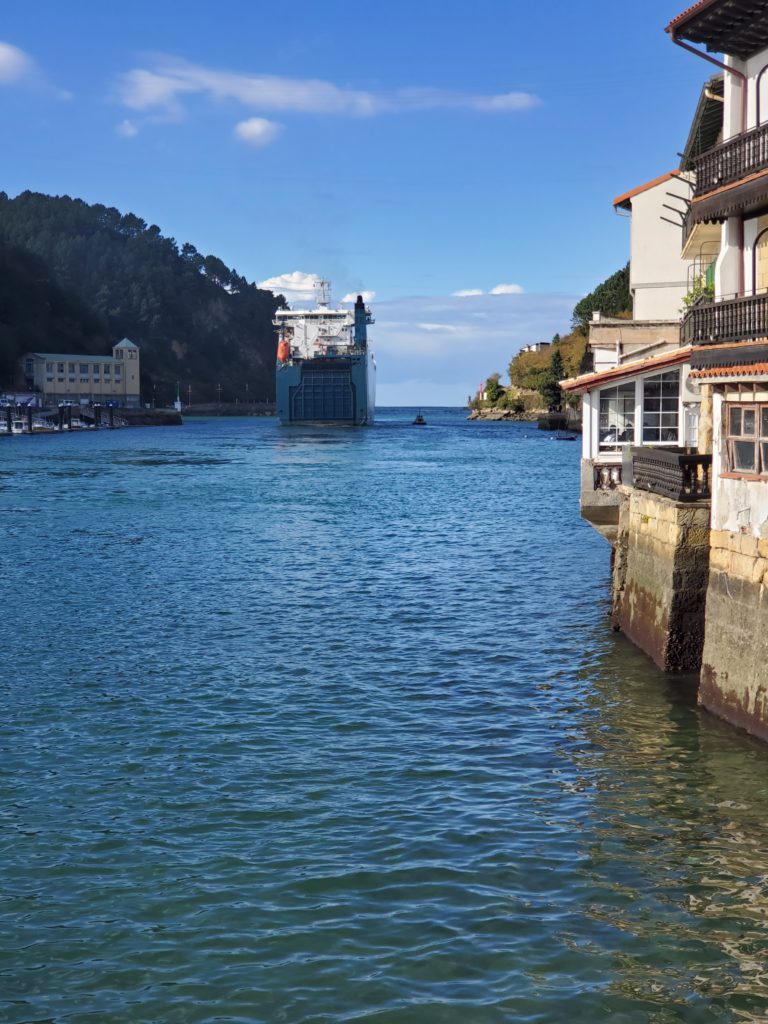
{"x": 617, "y": 415}
{"x": 661, "y": 408}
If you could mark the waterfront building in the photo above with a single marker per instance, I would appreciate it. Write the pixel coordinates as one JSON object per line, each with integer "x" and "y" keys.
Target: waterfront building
{"x": 728, "y": 330}
{"x": 83, "y": 379}
{"x": 639, "y": 392}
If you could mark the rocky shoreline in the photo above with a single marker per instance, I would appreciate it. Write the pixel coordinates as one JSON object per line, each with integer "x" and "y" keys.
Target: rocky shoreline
{"x": 527, "y": 416}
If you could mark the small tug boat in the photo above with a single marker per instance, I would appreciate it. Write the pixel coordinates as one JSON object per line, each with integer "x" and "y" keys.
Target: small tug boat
{"x": 419, "y": 421}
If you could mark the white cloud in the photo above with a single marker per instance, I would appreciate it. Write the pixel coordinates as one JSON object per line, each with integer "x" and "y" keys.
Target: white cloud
{"x": 352, "y": 296}
{"x": 294, "y": 286}
{"x": 467, "y": 293}
{"x": 127, "y": 129}
{"x": 257, "y": 131}
{"x": 163, "y": 86}
{"x": 15, "y": 65}
{"x": 507, "y": 289}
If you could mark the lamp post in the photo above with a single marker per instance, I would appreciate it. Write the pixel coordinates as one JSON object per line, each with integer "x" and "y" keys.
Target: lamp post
{"x": 218, "y": 392}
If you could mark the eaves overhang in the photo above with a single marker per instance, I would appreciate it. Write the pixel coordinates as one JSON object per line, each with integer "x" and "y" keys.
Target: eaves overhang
{"x": 738, "y": 28}
{"x": 589, "y": 381}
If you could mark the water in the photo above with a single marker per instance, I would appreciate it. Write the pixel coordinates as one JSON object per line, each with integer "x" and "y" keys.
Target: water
{"x": 328, "y": 726}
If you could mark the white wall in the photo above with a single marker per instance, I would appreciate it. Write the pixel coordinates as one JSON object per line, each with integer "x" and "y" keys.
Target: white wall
{"x": 658, "y": 275}
{"x": 737, "y": 505}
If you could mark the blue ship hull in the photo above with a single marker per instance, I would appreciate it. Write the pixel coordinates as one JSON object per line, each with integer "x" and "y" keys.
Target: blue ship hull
{"x": 327, "y": 390}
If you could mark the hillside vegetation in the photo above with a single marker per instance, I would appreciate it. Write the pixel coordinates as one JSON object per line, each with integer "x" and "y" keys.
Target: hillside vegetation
{"x": 568, "y": 356}
{"x": 83, "y": 276}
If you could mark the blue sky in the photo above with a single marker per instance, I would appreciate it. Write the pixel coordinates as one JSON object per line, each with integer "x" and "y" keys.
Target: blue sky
{"x": 412, "y": 150}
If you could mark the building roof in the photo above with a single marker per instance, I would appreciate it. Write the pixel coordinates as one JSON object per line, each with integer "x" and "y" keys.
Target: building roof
{"x": 707, "y": 124}
{"x": 740, "y": 370}
{"x": 125, "y": 343}
{"x": 738, "y": 28}
{"x": 624, "y": 201}
{"x": 588, "y": 381}
{"x": 69, "y": 357}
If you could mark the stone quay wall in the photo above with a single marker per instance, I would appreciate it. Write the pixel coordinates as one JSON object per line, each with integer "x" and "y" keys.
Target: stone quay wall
{"x": 660, "y": 577}
{"x": 734, "y": 671}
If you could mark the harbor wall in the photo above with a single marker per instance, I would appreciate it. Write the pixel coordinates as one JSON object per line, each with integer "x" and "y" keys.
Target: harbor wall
{"x": 734, "y": 672}
{"x": 660, "y": 577}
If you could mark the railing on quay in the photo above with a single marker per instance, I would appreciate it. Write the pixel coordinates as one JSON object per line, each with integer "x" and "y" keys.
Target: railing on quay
{"x": 742, "y": 318}
{"x": 672, "y": 474}
{"x": 731, "y": 161}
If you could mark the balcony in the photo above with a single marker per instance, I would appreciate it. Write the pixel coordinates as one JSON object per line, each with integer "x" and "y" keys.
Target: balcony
{"x": 732, "y": 161}
{"x": 742, "y": 318}
{"x": 671, "y": 474}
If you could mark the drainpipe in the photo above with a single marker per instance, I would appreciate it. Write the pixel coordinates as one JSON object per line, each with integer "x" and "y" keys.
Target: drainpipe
{"x": 743, "y": 79}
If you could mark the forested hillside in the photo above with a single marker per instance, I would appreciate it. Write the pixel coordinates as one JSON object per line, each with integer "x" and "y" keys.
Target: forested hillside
{"x": 101, "y": 275}
{"x": 34, "y": 311}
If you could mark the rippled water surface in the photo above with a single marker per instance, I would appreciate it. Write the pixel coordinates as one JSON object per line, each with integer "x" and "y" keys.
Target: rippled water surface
{"x": 318, "y": 726}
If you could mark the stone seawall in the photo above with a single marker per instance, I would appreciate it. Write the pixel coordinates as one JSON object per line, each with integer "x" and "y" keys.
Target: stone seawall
{"x": 734, "y": 671}
{"x": 660, "y": 576}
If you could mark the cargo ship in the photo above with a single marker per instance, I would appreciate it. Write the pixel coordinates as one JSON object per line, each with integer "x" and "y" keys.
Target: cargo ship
{"x": 325, "y": 372}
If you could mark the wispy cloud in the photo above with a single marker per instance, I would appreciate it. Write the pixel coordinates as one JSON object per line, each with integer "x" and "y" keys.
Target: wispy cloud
{"x": 127, "y": 129}
{"x": 352, "y": 296}
{"x": 435, "y": 350}
{"x": 257, "y": 131}
{"x": 15, "y": 65}
{"x": 168, "y": 81}
{"x": 499, "y": 289}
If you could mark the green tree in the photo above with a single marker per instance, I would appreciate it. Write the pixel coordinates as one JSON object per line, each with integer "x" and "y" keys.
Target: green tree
{"x": 550, "y": 389}
{"x": 612, "y": 297}
{"x": 492, "y": 388}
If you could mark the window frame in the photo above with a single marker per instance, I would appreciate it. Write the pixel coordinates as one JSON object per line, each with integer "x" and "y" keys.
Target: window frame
{"x": 757, "y": 436}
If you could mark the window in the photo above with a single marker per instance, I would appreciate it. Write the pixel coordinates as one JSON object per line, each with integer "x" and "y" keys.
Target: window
{"x": 617, "y": 415}
{"x": 60, "y": 367}
{"x": 71, "y": 367}
{"x": 746, "y": 434}
{"x": 84, "y": 368}
{"x": 49, "y": 367}
{"x": 661, "y": 413}
{"x": 106, "y": 370}
{"x": 29, "y": 366}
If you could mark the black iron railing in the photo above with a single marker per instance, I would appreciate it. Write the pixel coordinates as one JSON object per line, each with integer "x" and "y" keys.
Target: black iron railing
{"x": 735, "y": 159}
{"x": 738, "y": 319}
{"x": 672, "y": 474}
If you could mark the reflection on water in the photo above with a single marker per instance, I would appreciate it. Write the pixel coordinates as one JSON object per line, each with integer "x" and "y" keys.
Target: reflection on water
{"x": 313, "y": 726}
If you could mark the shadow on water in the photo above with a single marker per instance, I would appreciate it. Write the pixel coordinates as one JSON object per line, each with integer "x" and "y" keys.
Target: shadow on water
{"x": 678, "y": 849}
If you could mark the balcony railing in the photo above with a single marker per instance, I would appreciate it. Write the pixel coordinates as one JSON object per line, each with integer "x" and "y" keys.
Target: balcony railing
{"x": 733, "y": 160}
{"x": 744, "y": 318}
{"x": 672, "y": 474}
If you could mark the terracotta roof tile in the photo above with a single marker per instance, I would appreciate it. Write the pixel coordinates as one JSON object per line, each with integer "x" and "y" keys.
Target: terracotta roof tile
{"x": 588, "y": 380}
{"x": 625, "y": 197}
{"x": 742, "y": 370}
{"x": 702, "y": 5}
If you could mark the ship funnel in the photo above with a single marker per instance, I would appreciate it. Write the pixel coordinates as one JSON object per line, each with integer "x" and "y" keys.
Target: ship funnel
{"x": 361, "y": 321}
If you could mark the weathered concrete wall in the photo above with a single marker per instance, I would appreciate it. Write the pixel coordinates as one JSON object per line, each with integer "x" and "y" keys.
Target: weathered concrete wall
{"x": 734, "y": 672}
{"x": 660, "y": 574}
